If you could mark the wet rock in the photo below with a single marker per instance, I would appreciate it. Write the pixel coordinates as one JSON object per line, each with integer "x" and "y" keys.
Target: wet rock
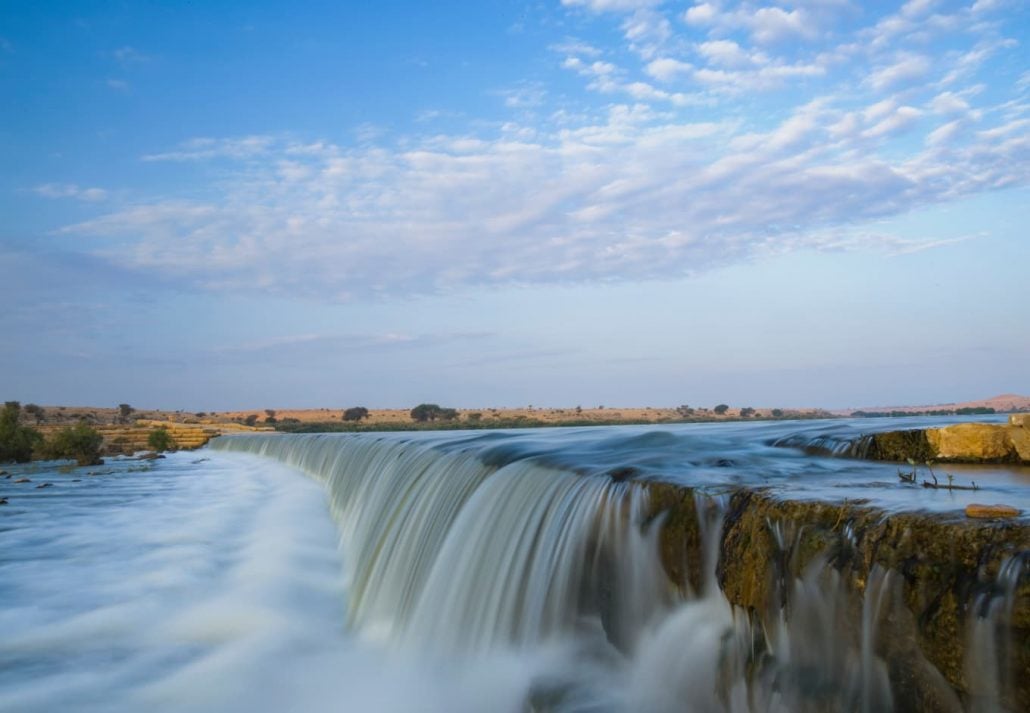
{"x": 940, "y": 565}
{"x": 23, "y": 480}
{"x": 151, "y": 455}
{"x": 990, "y": 511}
{"x": 3, "y": 501}
{"x": 959, "y": 443}
{"x": 44, "y": 485}
{"x": 900, "y": 446}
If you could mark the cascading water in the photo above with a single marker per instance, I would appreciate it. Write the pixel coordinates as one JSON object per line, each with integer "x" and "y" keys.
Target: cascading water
{"x": 444, "y": 551}
{"x": 624, "y": 570}
{"x": 462, "y": 550}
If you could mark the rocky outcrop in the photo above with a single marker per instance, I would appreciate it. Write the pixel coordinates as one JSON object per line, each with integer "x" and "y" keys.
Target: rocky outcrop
{"x": 942, "y": 570}
{"x": 959, "y": 443}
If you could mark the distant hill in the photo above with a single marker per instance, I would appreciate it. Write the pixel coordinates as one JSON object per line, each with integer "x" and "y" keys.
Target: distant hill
{"x": 1002, "y": 403}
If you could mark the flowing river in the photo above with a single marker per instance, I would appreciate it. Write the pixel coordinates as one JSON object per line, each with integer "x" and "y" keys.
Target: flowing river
{"x": 458, "y": 571}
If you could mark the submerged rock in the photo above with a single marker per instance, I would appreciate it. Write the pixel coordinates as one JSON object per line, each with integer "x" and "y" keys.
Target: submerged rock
{"x": 990, "y": 511}
{"x": 23, "y": 480}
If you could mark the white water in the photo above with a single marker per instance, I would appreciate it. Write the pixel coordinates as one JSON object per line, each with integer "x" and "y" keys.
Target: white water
{"x": 467, "y": 578}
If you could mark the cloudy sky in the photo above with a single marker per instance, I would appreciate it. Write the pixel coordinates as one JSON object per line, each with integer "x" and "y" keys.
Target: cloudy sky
{"x": 560, "y": 202}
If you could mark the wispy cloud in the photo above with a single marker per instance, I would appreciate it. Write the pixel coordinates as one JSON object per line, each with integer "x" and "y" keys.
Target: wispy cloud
{"x": 127, "y": 56}
{"x": 665, "y": 169}
{"x": 207, "y": 148}
{"x": 70, "y": 190}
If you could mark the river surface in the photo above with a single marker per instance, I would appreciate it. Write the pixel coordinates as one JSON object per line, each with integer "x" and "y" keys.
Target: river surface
{"x": 218, "y": 580}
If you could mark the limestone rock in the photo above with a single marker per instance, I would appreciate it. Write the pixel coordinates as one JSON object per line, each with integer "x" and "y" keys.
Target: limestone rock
{"x": 1020, "y": 419}
{"x": 990, "y": 511}
{"x": 972, "y": 442}
{"x": 1021, "y": 441}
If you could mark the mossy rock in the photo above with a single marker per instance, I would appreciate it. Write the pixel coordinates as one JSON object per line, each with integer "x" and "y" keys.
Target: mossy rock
{"x": 942, "y": 566}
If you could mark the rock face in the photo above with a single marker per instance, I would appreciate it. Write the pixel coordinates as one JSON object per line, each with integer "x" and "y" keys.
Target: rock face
{"x": 959, "y": 443}
{"x": 932, "y": 575}
{"x": 972, "y": 441}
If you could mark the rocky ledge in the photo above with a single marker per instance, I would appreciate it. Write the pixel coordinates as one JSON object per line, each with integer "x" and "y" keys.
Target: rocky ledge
{"x": 959, "y": 443}
{"x": 932, "y": 583}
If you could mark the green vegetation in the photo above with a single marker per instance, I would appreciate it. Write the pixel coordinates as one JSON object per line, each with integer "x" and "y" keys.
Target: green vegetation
{"x": 80, "y": 442}
{"x": 160, "y": 440}
{"x": 251, "y": 419}
{"x": 17, "y": 442}
{"x": 777, "y": 413}
{"x": 37, "y": 412}
{"x": 270, "y": 416}
{"x": 964, "y": 411}
{"x": 747, "y": 412}
{"x": 433, "y": 412}
{"x": 721, "y": 409}
{"x": 355, "y": 413}
{"x": 125, "y": 412}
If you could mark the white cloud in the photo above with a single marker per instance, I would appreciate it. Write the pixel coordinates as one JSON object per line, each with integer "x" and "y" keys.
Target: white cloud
{"x": 907, "y": 68}
{"x": 667, "y": 69}
{"x": 621, "y": 183}
{"x": 635, "y": 196}
{"x": 128, "y": 56}
{"x": 773, "y": 24}
{"x": 727, "y": 53}
{"x": 70, "y": 190}
{"x": 701, "y": 14}
{"x": 949, "y": 103}
{"x": 899, "y": 120}
{"x": 611, "y": 5}
{"x": 206, "y": 148}
{"x": 529, "y": 95}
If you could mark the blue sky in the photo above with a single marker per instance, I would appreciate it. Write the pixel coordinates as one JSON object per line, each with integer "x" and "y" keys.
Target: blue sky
{"x": 621, "y": 202}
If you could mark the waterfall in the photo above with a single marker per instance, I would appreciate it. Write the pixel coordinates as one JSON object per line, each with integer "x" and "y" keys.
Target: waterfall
{"x": 443, "y": 551}
{"x": 462, "y": 547}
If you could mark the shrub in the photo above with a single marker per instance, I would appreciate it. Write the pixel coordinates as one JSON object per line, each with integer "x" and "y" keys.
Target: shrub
{"x": 777, "y": 412}
{"x": 124, "y": 412}
{"x": 37, "y": 412}
{"x": 432, "y": 412}
{"x": 17, "y": 442}
{"x": 355, "y": 413}
{"x": 721, "y": 409}
{"x": 161, "y": 440}
{"x": 746, "y": 412}
{"x": 251, "y": 419}
{"x": 80, "y": 442}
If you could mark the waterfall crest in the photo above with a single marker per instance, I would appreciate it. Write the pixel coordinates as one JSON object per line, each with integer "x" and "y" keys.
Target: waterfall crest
{"x": 445, "y": 551}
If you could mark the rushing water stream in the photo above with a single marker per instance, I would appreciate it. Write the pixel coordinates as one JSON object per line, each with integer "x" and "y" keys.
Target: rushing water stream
{"x": 466, "y": 572}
